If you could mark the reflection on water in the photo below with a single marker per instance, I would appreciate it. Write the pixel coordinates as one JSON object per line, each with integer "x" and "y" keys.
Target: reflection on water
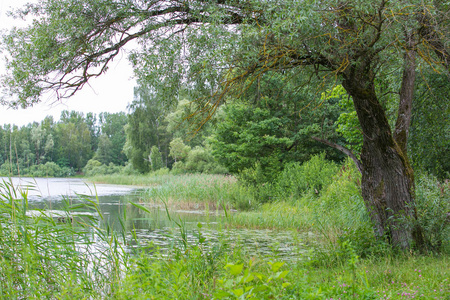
{"x": 154, "y": 228}
{"x": 56, "y": 188}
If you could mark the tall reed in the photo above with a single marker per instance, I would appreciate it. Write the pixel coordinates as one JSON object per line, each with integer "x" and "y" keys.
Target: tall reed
{"x": 45, "y": 255}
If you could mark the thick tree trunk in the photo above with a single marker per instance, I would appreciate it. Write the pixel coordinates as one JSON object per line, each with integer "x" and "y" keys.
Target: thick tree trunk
{"x": 387, "y": 178}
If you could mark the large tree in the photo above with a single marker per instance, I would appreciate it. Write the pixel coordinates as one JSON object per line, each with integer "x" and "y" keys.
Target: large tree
{"x": 353, "y": 42}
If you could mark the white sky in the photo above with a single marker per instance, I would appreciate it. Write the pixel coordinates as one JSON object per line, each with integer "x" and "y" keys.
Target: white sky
{"x": 111, "y": 92}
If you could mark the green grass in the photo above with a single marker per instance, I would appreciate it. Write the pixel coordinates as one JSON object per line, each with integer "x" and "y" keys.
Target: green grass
{"x": 180, "y": 190}
{"x": 40, "y": 254}
{"x": 216, "y": 274}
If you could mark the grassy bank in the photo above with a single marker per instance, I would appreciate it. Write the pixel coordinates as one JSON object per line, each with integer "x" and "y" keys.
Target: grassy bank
{"x": 197, "y": 276}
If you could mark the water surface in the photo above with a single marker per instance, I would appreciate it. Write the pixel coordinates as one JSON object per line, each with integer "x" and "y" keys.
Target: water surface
{"x": 155, "y": 228}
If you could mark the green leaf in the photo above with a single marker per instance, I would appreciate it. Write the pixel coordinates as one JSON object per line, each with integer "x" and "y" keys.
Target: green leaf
{"x": 260, "y": 288}
{"x": 258, "y": 275}
{"x": 280, "y": 275}
{"x": 140, "y": 207}
{"x": 238, "y": 292}
{"x": 248, "y": 279}
{"x": 222, "y": 294}
{"x": 234, "y": 269}
{"x": 276, "y": 265}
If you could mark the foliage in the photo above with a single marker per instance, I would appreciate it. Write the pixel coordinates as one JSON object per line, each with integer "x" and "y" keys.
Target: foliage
{"x": 232, "y": 46}
{"x": 46, "y": 259}
{"x": 155, "y": 158}
{"x": 69, "y": 143}
{"x": 200, "y": 160}
{"x": 147, "y": 128}
{"x": 433, "y": 207}
{"x": 429, "y": 143}
{"x": 311, "y": 176}
{"x": 95, "y": 167}
{"x": 245, "y": 283}
{"x": 49, "y": 169}
{"x": 73, "y": 139}
{"x": 269, "y": 126}
{"x": 181, "y": 123}
{"x": 40, "y": 254}
{"x": 178, "y": 150}
{"x": 113, "y": 132}
{"x": 347, "y": 123}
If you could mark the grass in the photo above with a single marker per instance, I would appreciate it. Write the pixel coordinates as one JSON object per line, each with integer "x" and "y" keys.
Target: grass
{"x": 188, "y": 191}
{"x": 40, "y": 254}
{"x": 198, "y": 274}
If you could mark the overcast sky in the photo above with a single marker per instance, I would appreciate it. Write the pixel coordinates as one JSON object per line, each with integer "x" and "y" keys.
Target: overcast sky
{"x": 111, "y": 92}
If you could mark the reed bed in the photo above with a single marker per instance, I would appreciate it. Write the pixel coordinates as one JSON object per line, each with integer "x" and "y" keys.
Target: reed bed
{"x": 189, "y": 191}
{"x": 43, "y": 255}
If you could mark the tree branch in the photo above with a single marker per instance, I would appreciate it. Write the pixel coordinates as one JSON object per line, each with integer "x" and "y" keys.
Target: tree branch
{"x": 343, "y": 149}
{"x": 403, "y": 123}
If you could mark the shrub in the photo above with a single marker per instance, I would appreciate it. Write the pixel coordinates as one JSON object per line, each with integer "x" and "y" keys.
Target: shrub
{"x": 129, "y": 170}
{"x": 315, "y": 174}
{"x": 178, "y": 168}
{"x": 94, "y": 167}
{"x": 200, "y": 160}
{"x": 433, "y": 207}
{"x": 161, "y": 172}
{"x": 7, "y": 169}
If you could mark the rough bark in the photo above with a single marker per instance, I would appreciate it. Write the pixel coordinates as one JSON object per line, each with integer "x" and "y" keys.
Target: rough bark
{"x": 403, "y": 123}
{"x": 387, "y": 178}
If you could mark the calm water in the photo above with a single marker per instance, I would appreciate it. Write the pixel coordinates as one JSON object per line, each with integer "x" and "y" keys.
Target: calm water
{"x": 154, "y": 228}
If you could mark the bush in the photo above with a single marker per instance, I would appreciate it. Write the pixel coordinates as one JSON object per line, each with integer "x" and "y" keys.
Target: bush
{"x": 155, "y": 159}
{"x": 264, "y": 171}
{"x": 200, "y": 160}
{"x": 313, "y": 175}
{"x": 178, "y": 168}
{"x": 94, "y": 167}
{"x": 161, "y": 172}
{"x": 129, "y": 170}
{"x": 7, "y": 169}
{"x": 50, "y": 169}
{"x": 433, "y": 207}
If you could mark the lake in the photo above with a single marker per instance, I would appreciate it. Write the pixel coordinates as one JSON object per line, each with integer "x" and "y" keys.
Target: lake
{"x": 157, "y": 227}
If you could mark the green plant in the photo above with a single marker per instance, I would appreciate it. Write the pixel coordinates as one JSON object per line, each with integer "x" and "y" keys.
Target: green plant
{"x": 52, "y": 255}
{"x": 155, "y": 158}
{"x": 244, "y": 283}
{"x": 433, "y": 208}
{"x": 314, "y": 175}
{"x": 200, "y": 160}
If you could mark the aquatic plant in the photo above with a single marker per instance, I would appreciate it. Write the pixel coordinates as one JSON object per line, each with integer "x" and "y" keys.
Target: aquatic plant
{"x": 43, "y": 254}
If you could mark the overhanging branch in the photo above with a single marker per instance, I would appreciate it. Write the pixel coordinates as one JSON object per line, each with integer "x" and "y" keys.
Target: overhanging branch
{"x": 343, "y": 149}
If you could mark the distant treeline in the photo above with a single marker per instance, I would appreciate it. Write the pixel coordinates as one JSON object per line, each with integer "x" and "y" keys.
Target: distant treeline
{"x": 62, "y": 148}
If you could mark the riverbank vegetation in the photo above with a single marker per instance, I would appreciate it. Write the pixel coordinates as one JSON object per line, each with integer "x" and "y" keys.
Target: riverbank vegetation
{"x": 318, "y": 195}
{"x": 338, "y": 258}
